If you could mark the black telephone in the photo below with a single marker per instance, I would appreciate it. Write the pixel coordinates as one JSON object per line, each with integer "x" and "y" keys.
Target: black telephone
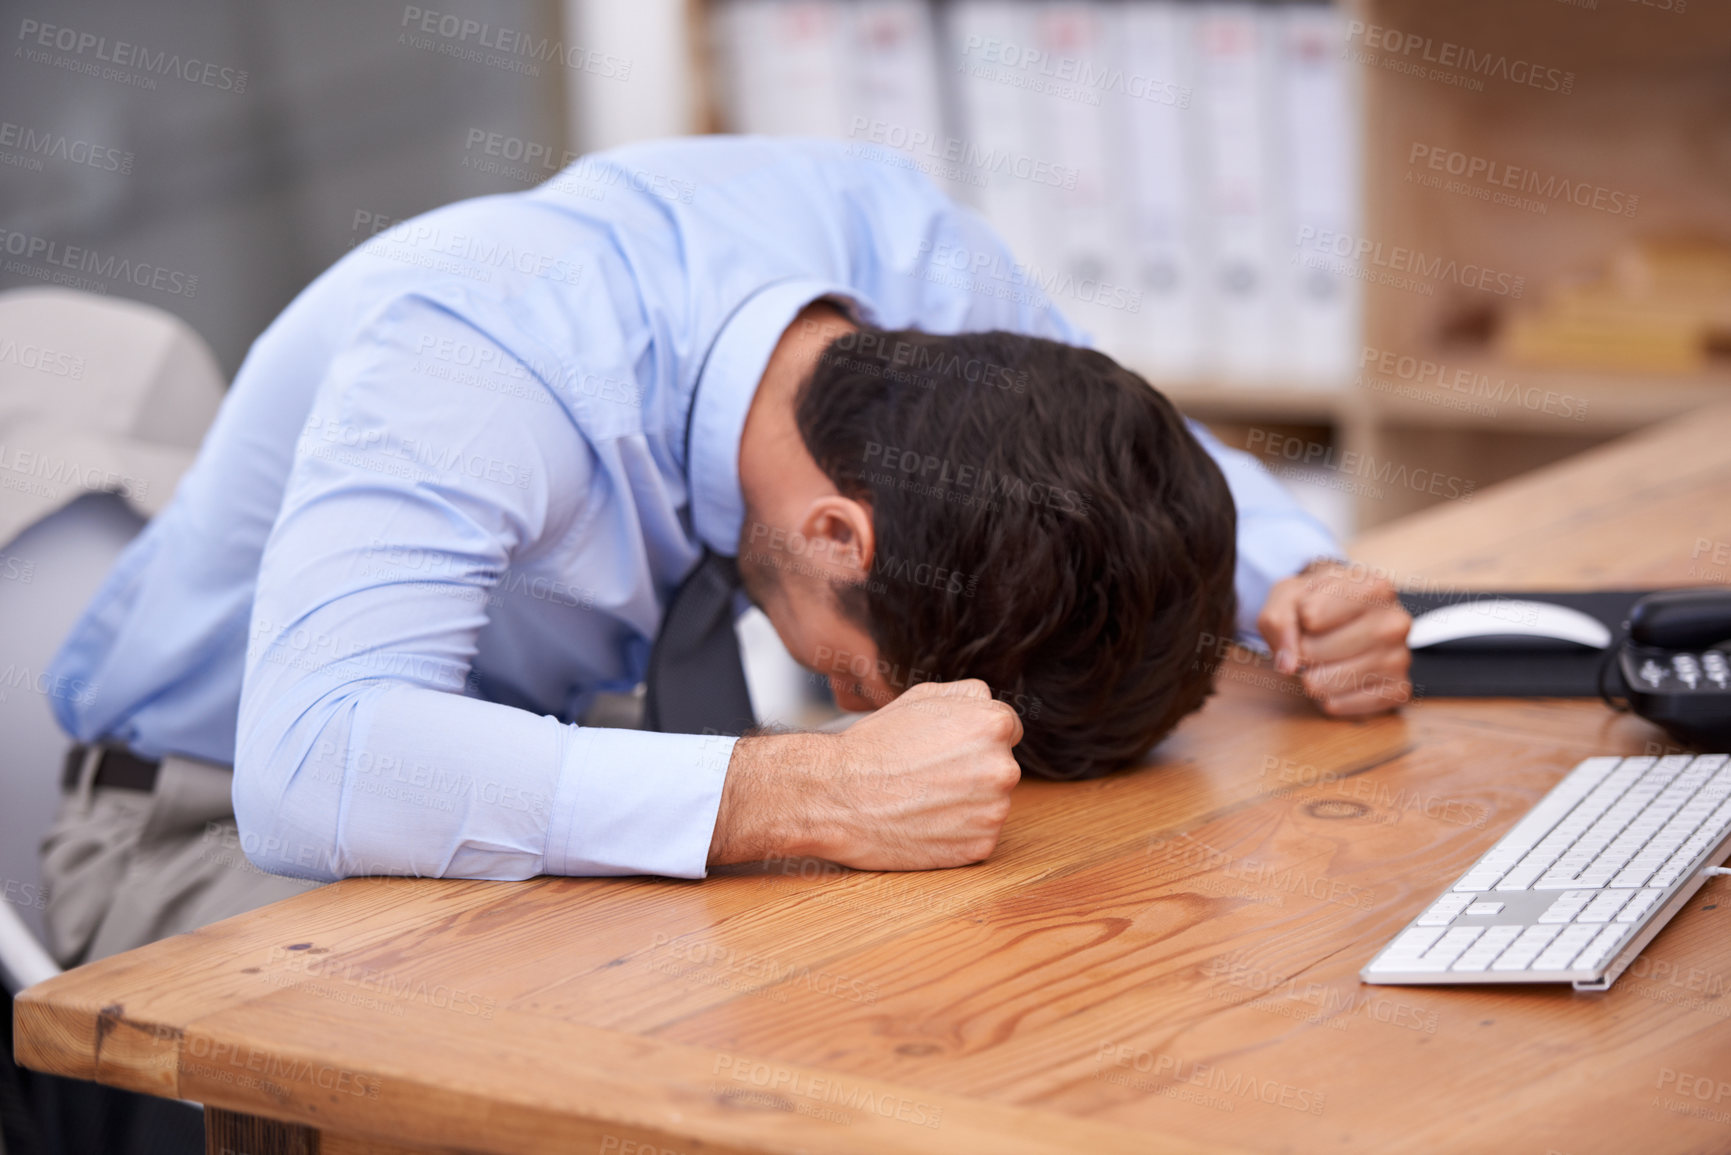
{"x": 1676, "y": 664}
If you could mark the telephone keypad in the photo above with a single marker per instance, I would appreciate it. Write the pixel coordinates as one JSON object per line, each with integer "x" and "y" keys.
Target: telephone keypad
{"x": 1678, "y": 673}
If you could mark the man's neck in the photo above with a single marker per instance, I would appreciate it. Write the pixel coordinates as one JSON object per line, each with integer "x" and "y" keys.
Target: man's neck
{"x": 773, "y": 461}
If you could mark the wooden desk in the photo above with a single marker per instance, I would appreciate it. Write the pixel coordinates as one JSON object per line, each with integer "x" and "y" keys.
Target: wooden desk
{"x": 1164, "y": 961}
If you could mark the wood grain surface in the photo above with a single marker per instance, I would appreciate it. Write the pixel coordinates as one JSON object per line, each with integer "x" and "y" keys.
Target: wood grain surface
{"x": 1162, "y": 961}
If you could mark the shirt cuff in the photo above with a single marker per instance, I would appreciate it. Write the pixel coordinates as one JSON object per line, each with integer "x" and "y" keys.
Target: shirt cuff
{"x": 637, "y": 802}
{"x": 1277, "y": 556}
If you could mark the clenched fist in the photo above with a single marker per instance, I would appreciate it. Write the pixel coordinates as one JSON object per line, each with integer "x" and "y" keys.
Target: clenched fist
{"x": 1345, "y": 635}
{"x": 922, "y": 783}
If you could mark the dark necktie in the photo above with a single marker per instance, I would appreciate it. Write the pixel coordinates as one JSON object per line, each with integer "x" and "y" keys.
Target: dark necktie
{"x": 696, "y": 682}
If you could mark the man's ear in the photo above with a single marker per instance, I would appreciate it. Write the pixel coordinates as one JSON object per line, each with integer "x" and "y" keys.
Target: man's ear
{"x": 840, "y": 531}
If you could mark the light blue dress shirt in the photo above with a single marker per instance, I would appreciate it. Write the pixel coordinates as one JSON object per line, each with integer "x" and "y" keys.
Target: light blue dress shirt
{"x": 450, "y": 492}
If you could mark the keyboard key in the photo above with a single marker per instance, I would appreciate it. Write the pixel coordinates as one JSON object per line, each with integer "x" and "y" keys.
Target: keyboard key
{"x": 1484, "y": 952}
{"x": 1526, "y": 948}
{"x": 1598, "y": 952}
{"x": 1480, "y": 909}
{"x": 1522, "y": 876}
{"x": 1634, "y": 875}
{"x": 1450, "y": 947}
{"x": 1479, "y": 878}
{"x": 1564, "y": 948}
{"x": 1413, "y": 941}
{"x": 1444, "y": 910}
{"x": 1567, "y": 906}
{"x": 1639, "y": 905}
{"x": 1605, "y": 904}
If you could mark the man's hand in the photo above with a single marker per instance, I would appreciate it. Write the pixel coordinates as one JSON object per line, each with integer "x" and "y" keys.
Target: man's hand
{"x": 922, "y": 783}
{"x": 1344, "y": 634}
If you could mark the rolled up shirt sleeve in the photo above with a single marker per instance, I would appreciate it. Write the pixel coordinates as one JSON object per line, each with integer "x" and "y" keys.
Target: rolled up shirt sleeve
{"x": 363, "y": 747}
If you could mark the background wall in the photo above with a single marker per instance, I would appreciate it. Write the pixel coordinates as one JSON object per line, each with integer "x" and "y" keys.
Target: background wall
{"x": 301, "y": 125}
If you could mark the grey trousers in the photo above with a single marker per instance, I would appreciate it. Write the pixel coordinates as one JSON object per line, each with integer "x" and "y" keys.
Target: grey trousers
{"x": 124, "y": 867}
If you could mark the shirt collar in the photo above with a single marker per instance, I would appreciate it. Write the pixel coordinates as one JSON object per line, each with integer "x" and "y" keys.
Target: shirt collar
{"x": 725, "y": 387}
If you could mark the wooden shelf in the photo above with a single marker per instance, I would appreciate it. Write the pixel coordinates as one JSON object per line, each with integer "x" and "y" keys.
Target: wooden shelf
{"x": 1226, "y": 400}
{"x": 1562, "y": 402}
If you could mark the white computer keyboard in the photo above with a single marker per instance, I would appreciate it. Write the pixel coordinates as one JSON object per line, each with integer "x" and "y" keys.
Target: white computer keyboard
{"x": 1581, "y": 884}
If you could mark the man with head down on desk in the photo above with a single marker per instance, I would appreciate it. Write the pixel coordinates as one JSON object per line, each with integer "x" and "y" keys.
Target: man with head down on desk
{"x": 525, "y": 449}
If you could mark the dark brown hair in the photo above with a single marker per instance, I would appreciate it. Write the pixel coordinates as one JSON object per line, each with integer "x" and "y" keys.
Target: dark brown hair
{"x": 1044, "y": 521}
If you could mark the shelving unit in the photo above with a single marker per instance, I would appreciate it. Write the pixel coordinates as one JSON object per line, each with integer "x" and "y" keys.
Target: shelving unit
{"x": 1643, "y": 114}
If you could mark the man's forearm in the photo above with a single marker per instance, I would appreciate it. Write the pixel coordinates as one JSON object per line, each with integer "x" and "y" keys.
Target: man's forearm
{"x": 770, "y": 807}
{"x": 923, "y": 782}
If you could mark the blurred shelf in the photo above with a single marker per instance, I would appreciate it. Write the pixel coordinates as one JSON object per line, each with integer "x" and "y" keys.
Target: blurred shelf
{"x": 1564, "y": 402}
{"x": 1228, "y": 400}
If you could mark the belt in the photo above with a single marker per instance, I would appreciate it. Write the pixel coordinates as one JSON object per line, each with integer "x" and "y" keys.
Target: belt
{"x": 116, "y": 766}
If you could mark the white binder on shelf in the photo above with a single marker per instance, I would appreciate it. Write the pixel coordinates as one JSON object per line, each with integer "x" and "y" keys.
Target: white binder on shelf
{"x": 1318, "y": 133}
{"x": 1235, "y": 50}
{"x": 1074, "y": 108}
{"x": 894, "y": 100}
{"x": 1161, "y": 204}
{"x": 782, "y": 66}
{"x": 992, "y": 125}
